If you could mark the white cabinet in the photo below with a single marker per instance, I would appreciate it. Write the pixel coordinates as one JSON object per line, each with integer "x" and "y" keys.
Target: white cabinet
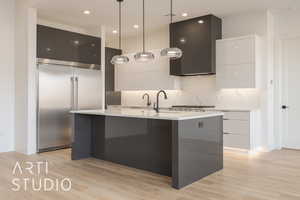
{"x": 152, "y": 75}
{"x": 238, "y": 62}
{"x": 241, "y": 130}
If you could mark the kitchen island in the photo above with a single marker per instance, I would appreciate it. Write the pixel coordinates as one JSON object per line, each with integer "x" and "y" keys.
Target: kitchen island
{"x": 186, "y": 146}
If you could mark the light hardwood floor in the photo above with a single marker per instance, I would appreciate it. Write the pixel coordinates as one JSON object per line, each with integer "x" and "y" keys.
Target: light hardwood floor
{"x": 268, "y": 176}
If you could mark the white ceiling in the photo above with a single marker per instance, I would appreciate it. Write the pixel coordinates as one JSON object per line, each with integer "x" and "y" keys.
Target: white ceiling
{"x": 105, "y": 12}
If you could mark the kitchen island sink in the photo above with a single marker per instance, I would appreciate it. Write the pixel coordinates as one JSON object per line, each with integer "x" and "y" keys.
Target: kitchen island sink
{"x": 186, "y": 146}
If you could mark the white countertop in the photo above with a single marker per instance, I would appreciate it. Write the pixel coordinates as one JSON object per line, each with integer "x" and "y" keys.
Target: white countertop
{"x": 151, "y": 114}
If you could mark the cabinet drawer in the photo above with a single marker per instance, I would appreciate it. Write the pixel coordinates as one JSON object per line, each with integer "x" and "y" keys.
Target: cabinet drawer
{"x": 237, "y": 141}
{"x": 243, "y": 116}
{"x": 236, "y": 127}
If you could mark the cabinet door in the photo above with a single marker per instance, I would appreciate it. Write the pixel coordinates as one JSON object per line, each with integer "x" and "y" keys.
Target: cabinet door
{"x": 237, "y": 127}
{"x": 236, "y": 76}
{"x": 236, "y": 51}
{"x": 87, "y": 49}
{"x": 49, "y": 46}
{"x": 111, "y": 97}
{"x": 67, "y": 46}
{"x": 192, "y": 38}
{"x": 110, "y": 68}
{"x": 197, "y": 41}
{"x": 241, "y": 116}
{"x": 237, "y": 141}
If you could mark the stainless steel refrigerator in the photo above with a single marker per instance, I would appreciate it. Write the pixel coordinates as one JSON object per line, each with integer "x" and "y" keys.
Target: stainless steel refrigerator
{"x": 63, "y": 88}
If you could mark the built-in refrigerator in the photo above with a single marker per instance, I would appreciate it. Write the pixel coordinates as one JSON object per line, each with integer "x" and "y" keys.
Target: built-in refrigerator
{"x": 62, "y": 88}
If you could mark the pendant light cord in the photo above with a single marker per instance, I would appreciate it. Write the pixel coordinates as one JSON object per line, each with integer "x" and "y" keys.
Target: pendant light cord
{"x": 143, "y": 25}
{"x": 120, "y": 26}
{"x": 171, "y": 18}
{"x": 171, "y": 12}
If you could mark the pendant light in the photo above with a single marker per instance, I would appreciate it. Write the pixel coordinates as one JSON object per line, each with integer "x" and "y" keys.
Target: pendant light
{"x": 173, "y": 52}
{"x": 120, "y": 59}
{"x": 144, "y": 56}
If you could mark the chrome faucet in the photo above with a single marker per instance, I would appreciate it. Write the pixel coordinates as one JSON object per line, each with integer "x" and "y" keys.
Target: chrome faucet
{"x": 148, "y": 99}
{"x": 156, "y": 105}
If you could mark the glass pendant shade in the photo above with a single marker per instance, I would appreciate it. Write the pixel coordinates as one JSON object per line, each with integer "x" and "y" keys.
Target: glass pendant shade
{"x": 144, "y": 56}
{"x": 173, "y": 53}
{"x": 119, "y": 60}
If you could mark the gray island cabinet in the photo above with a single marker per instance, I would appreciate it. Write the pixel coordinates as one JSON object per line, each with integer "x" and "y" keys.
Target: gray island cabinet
{"x": 184, "y": 146}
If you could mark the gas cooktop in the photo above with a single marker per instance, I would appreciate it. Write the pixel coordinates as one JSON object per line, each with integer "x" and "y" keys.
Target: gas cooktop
{"x": 190, "y": 108}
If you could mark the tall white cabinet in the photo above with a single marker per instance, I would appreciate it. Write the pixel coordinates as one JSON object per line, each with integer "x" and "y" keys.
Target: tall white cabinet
{"x": 239, "y": 62}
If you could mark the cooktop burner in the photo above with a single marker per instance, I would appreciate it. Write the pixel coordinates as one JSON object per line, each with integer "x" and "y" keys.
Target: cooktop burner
{"x": 190, "y": 108}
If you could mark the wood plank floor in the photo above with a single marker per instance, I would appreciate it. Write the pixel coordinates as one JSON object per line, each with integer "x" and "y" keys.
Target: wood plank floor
{"x": 268, "y": 176}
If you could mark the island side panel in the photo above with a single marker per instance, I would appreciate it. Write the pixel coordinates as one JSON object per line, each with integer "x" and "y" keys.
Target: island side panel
{"x": 197, "y": 149}
{"x": 98, "y": 137}
{"x": 82, "y": 130}
{"x": 140, "y": 143}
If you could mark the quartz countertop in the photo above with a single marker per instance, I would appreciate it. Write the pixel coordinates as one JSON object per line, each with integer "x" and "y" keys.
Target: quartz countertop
{"x": 150, "y": 114}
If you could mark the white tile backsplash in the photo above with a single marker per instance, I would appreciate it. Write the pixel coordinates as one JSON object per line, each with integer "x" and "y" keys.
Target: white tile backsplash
{"x": 134, "y": 98}
{"x": 238, "y": 99}
{"x": 199, "y": 90}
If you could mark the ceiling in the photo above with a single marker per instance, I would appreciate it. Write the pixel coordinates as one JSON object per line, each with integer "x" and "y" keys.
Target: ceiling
{"x": 105, "y": 12}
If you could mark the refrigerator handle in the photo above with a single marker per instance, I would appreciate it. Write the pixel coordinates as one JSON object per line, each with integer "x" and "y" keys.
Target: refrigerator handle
{"x": 72, "y": 93}
{"x": 76, "y": 92}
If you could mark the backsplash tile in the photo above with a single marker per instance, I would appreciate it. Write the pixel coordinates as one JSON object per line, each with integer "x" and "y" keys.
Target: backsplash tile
{"x": 238, "y": 99}
{"x": 199, "y": 90}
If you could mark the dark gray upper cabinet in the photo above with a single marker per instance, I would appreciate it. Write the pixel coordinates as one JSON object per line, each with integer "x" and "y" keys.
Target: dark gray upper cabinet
{"x": 67, "y": 46}
{"x": 197, "y": 39}
{"x": 110, "y": 68}
{"x": 112, "y": 97}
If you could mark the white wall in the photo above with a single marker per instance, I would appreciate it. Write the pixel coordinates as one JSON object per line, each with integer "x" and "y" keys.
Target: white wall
{"x": 7, "y": 84}
{"x": 155, "y": 39}
{"x": 92, "y": 32}
{"x": 25, "y": 78}
{"x": 244, "y": 24}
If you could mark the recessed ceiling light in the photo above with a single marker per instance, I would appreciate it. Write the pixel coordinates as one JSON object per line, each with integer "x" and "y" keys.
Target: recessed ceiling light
{"x": 136, "y": 26}
{"x": 184, "y": 14}
{"x": 114, "y": 31}
{"x": 87, "y": 12}
{"x": 200, "y": 21}
{"x": 182, "y": 40}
